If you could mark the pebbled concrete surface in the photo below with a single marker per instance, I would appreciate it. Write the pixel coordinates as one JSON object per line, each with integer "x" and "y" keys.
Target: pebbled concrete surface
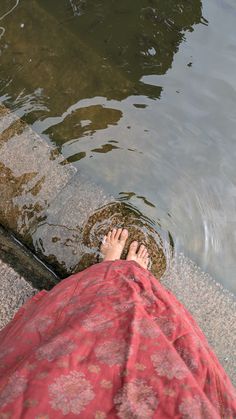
{"x": 21, "y": 276}
{"x": 212, "y": 306}
{"x": 14, "y": 291}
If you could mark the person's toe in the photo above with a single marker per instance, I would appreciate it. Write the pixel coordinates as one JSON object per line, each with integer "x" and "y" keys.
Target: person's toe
{"x": 123, "y": 236}
{"x": 133, "y": 249}
{"x": 141, "y": 251}
{"x": 118, "y": 234}
{"x": 146, "y": 261}
{"x": 145, "y": 253}
{"x": 113, "y": 233}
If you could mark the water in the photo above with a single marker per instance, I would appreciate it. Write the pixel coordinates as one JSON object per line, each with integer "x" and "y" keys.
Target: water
{"x": 140, "y": 96}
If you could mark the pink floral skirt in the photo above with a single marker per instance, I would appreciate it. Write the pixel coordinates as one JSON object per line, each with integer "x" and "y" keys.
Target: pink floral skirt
{"x": 109, "y": 342}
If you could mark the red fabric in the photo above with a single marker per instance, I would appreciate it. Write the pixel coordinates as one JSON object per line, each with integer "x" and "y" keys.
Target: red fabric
{"x": 106, "y": 343}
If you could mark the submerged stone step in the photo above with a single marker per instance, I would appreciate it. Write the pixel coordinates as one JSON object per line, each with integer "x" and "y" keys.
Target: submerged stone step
{"x": 75, "y": 222}
{"x": 58, "y": 213}
{"x": 31, "y": 175}
{"x": 7, "y": 118}
{"x": 59, "y": 237}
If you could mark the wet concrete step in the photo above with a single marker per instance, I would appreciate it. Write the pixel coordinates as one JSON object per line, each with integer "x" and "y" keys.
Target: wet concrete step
{"x": 42, "y": 201}
{"x": 60, "y": 237}
{"x": 56, "y": 211}
{"x": 31, "y": 175}
{"x": 7, "y": 118}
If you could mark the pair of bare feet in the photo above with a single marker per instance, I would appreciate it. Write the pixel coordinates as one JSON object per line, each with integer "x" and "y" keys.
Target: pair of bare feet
{"x": 113, "y": 245}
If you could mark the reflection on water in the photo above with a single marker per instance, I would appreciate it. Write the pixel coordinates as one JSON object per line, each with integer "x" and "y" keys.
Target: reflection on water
{"x": 83, "y": 122}
{"x": 138, "y": 37}
{"x": 140, "y": 95}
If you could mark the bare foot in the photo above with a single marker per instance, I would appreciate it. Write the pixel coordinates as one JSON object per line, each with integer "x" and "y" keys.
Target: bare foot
{"x": 113, "y": 244}
{"x": 141, "y": 256}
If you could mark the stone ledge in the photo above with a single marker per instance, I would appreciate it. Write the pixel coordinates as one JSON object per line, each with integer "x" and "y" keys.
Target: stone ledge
{"x": 24, "y": 263}
{"x": 22, "y": 275}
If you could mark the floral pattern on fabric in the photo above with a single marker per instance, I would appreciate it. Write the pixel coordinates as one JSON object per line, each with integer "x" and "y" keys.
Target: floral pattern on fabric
{"x": 40, "y": 324}
{"x": 136, "y": 399}
{"x": 92, "y": 282}
{"x": 14, "y": 388}
{"x": 187, "y": 357}
{"x": 147, "y": 298}
{"x": 167, "y": 364}
{"x": 112, "y": 352}
{"x": 194, "y": 407}
{"x": 100, "y": 415}
{"x": 166, "y": 324}
{"x": 122, "y": 307}
{"x": 106, "y": 292}
{"x": 151, "y": 362}
{"x": 96, "y": 322}
{"x": 6, "y": 352}
{"x": 71, "y": 393}
{"x": 146, "y": 327}
{"x": 78, "y": 309}
{"x": 30, "y": 403}
{"x": 56, "y": 348}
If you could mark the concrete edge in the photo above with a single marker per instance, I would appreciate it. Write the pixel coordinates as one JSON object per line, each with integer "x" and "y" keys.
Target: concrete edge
{"x": 25, "y": 263}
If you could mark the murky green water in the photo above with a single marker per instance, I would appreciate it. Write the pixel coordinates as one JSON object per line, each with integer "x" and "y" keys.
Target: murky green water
{"x": 141, "y": 96}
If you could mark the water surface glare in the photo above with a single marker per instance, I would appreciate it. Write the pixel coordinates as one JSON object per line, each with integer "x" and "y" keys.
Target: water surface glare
{"x": 139, "y": 95}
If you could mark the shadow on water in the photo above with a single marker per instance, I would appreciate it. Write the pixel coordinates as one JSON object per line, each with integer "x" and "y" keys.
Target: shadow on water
{"x": 94, "y": 49}
{"x": 134, "y": 38}
{"x": 138, "y": 37}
